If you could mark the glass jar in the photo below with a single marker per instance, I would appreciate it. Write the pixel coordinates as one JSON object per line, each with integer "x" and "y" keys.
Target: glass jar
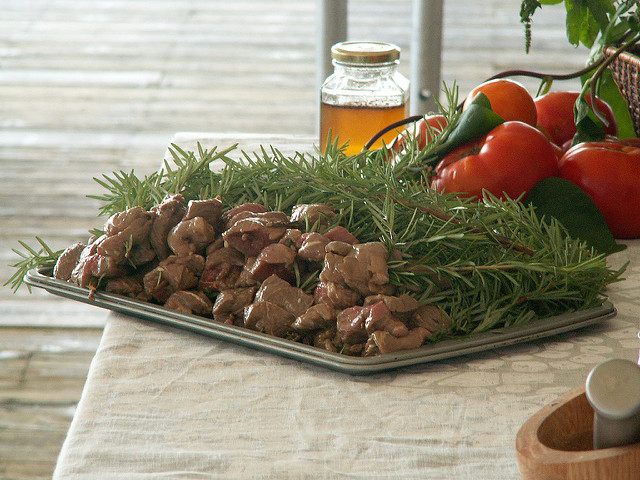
{"x": 364, "y": 94}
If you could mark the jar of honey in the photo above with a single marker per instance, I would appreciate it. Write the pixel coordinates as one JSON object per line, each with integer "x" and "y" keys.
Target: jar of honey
{"x": 364, "y": 94}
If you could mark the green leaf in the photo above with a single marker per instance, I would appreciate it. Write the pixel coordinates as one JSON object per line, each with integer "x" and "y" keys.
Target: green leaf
{"x": 476, "y": 120}
{"x": 593, "y": 23}
{"x": 588, "y": 127}
{"x": 600, "y": 11}
{"x": 609, "y": 92}
{"x": 581, "y": 24}
{"x": 615, "y": 32}
{"x": 575, "y": 211}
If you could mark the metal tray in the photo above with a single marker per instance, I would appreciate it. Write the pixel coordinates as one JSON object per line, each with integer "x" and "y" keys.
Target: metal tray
{"x": 334, "y": 361}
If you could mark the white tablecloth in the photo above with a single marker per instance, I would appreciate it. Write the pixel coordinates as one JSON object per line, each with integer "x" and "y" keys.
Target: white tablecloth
{"x": 162, "y": 403}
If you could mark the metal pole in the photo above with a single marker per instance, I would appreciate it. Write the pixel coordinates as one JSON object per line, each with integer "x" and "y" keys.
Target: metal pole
{"x": 426, "y": 58}
{"x": 331, "y": 29}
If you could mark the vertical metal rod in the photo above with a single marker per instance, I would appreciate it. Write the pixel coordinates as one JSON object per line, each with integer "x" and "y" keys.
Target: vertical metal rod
{"x": 426, "y": 56}
{"x": 331, "y": 29}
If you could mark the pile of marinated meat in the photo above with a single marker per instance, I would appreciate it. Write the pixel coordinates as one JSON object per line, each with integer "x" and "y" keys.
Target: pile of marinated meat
{"x": 240, "y": 266}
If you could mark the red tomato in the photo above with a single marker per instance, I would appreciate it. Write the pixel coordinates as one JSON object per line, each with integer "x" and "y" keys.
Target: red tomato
{"x": 629, "y": 142}
{"x": 555, "y": 115}
{"x": 558, "y": 149}
{"x": 509, "y": 160}
{"x": 437, "y": 124}
{"x": 508, "y": 98}
{"x": 609, "y": 173}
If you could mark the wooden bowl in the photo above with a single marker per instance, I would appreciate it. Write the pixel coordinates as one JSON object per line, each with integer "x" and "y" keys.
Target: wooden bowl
{"x": 557, "y": 444}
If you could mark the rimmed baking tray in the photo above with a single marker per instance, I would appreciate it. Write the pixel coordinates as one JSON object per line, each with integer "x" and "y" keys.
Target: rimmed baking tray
{"x": 335, "y": 361}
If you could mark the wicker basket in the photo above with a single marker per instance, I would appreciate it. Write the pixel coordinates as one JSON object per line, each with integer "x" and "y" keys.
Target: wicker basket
{"x": 626, "y": 73}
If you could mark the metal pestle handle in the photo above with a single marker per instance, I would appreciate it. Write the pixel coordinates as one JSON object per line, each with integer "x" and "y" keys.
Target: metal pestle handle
{"x": 613, "y": 390}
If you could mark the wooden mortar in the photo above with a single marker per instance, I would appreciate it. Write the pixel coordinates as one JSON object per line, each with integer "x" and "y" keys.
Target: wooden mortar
{"x": 557, "y": 444}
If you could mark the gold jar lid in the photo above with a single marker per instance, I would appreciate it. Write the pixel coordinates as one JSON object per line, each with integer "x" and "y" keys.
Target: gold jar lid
{"x": 364, "y": 53}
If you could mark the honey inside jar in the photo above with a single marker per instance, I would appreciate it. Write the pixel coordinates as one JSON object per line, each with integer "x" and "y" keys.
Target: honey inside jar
{"x": 357, "y": 125}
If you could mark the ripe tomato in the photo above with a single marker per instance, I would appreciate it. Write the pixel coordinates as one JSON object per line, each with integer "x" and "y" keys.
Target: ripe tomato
{"x": 509, "y": 160}
{"x": 437, "y": 123}
{"x": 557, "y": 148}
{"x": 609, "y": 172}
{"x": 629, "y": 142}
{"x": 508, "y": 98}
{"x": 555, "y": 115}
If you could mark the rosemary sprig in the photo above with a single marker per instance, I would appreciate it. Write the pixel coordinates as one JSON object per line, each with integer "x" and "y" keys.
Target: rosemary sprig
{"x": 44, "y": 257}
{"x": 126, "y": 190}
{"x": 188, "y": 176}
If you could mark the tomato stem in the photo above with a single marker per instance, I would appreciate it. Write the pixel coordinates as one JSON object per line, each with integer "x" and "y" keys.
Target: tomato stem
{"x": 548, "y": 76}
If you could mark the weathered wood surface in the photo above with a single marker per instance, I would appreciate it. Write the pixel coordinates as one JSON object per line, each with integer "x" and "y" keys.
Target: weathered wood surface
{"x": 90, "y": 87}
{"x": 42, "y": 373}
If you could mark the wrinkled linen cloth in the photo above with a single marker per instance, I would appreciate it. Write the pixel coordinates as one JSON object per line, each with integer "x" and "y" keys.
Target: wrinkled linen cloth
{"x": 166, "y": 403}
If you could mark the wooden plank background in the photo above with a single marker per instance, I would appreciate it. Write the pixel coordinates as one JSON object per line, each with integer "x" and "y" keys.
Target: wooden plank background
{"x": 90, "y": 87}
